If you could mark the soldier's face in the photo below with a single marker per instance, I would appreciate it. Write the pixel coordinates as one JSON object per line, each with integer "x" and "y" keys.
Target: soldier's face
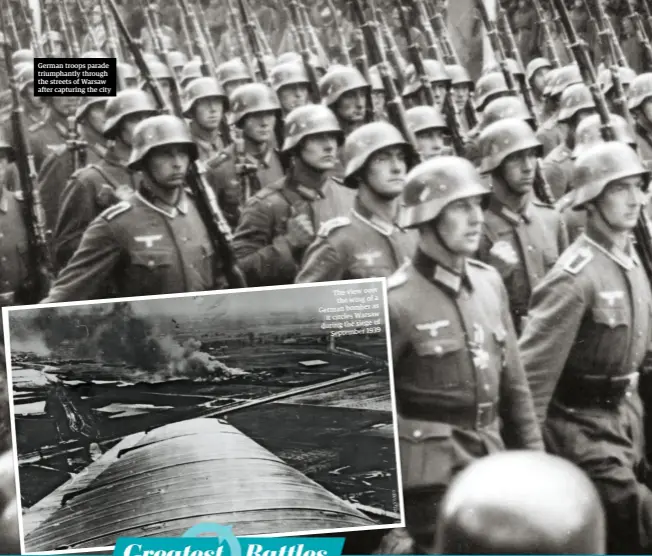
{"x": 208, "y": 112}
{"x": 539, "y": 79}
{"x": 379, "y": 100}
{"x": 518, "y": 171}
{"x": 439, "y": 90}
{"x": 352, "y": 105}
{"x": 168, "y": 166}
{"x": 319, "y": 151}
{"x": 230, "y": 87}
{"x": 95, "y": 117}
{"x": 385, "y": 172}
{"x": 460, "y": 226}
{"x": 36, "y": 102}
{"x": 293, "y": 96}
{"x": 460, "y": 94}
{"x": 259, "y": 127}
{"x": 431, "y": 143}
{"x": 65, "y": 106}
{"x": 621, "y": 202}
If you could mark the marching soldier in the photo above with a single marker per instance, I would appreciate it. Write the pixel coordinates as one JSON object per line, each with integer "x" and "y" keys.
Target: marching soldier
{"x": 522, "y": 236}
{"x": 640, "y": 105}
{"x": 191, "y": 71}
{"x": 104, "y": 181}
{"x": 280, "y": 221}
{"x": 233, "y": 74}
{"x": 460, "y": 90}
{"x": 439, "y": 80}
{"x": 430, "y": 130}
{"x": 204, "y": 103}
{"x": 154, "y": 243}
{"x": 626, "y": 75}
{"x": 291, "y": 84}
{"x": 378, "y": 94}
{"x": 368, "y": 243}
{"x": 507, "y": 107}
{"x": 576, "y": 104}
{"x": 346, "y": 92}
{"x": 95, "y": 37}
{"x": 176, "y": 60}
{"x": 494, "y": 507}
{"x": 460, "y": 387}
{"x": 586, "y": 336}
{"x": 536, "y": 74}
{"x": 164, "y": 79}
{"x": 252, "y": 162}
{"x": 128, "y": 74}
{"x": 52, "y": 44}
{"x": 59, "y": 165}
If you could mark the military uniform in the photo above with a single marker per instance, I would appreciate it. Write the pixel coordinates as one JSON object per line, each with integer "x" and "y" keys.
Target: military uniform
{"x": 460, "y": 387}
{"x": 587, "y": 334}
{"x": 14, "y": 250}
{"x": 537, "y": 234}
{"x": 221, "y": 175}
{"x": 557, "y": 170}
{"x": 550, "y": 134}
{"x": 643, "y": 138}
{"x": 209, "y": 145}
{"x": 360, "y": 245}
{"x": 260, "y": 245}
{"x": 137, "y": 248}
{"x": 45, "y": 136}
{"x": 89, "y": 192}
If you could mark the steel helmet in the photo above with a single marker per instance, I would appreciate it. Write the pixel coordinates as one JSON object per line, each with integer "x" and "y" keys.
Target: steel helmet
{"x": 176, "y": 59}
{"x": 505, "y": 107}
{"x": 289, "y": 57}
{"x": 290, "y": 73}
{"x": 502, "y": 138}
{"x": 150, "y": 57}
{"x": 459, "y": 75}
{"x": 24, "y": 75}
{"x": 435, "y": 70}
{"x": 599, "y": 165}
{"x": 364, "y": 142}
{"x": 627, "y": 75}
{"x": 251, "y": 98}
{"x": 494, "y": 507}
{"x": 6, "y": 145}
{"x": 158, "y": 131}
{"x": 535, "y": 65}
{"x": 268, "y": 61}
{"x": 561, "y": 78}
{"x": 202, "y": 87}
{"x": 575, "y": 97}
{"x": 129, "y": 101}
{"x": 94, "y": 54}
{"x": 339, "y": 80}
{"x": 640, "y": 90}
{"x": 375, "y": 80}
{"x": 53, "y": 36}
{"x": 192, "y": 70}
{"x": 434, "y": 184}
{"x": 513, "y": 66}
{"x": 128, "y": 73}
{"x": 421, "y": 118}
{"x": 307, "y": 120}
{"x": 588, "y": 132}
{"x": 158, "y": 70}
{"x": 233, "y": 70}
{"x": 86, "y": 104}
{"x": 21, "y": 56}
{"x": 488, "y": 85}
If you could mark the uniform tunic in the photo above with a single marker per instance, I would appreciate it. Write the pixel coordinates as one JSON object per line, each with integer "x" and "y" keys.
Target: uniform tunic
{"x": 457, "y": 375}
{"x": 46, "y": 136}
{"x": 260, "y": 243}
{"x": 14, "y": 250}
{"x": 589, "y": 328}
{"x": 137, "y": 248}
{"x": 361, "y": 245}
{"x": 209, "y": 145}
{"x": 643, "y": 136}
{"x": 550, "y": 134}
{"x": 557, "y": 170}
{"x": 90, "y": 191}
{"x": 537, "y": 235}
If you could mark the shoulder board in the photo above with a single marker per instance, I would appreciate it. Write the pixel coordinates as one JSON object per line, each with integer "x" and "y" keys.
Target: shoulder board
{"x": 539, "y": 203}
{"x": 219, "y": 159}
{"x": 327, "y": 227}
{"x": 19, "y": 195}
{"x": 115, "y": 210}
{"x": 479, "y": 264}
{"x": 578, "y": 260}
{"x": 36, "y": 126}
{"x": 398, "y": 278}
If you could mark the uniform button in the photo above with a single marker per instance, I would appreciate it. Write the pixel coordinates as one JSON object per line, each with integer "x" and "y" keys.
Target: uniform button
{"x": 417, "y": 434}
{"x": 150, "y": 263}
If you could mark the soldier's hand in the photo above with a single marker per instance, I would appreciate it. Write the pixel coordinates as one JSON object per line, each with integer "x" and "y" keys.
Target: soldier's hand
{"x": 300, "y": 231}
{"x": 503, "y": 257}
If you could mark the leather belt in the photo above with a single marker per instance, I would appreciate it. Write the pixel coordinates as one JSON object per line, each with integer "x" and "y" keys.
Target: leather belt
{"x": 479, "y": 416}
{"x": 577, "y": 390}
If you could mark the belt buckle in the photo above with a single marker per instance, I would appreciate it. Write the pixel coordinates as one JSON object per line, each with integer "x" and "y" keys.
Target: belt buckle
{"x": 481, "y": 414}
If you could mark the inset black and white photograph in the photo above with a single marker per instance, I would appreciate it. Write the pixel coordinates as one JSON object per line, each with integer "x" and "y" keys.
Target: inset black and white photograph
{"x": 270, "y": 410}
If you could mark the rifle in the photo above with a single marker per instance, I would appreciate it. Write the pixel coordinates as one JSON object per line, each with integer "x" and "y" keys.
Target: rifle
{"x": 340, "y": 33}
{"x": 39, "y": 264}
{"x": 48, "y": 30}
{"x": 76, "y": 145}
{"x": 316, "y": 45}
{"x": 434, "y": 50}
{"x": 185, "y": 29}
{"x": 393, "y": 53}
{"x": 254, "y": 45}
{"x": 438, "y": 24}
{"x": 641, "y": 34}
{"x": 207, "y": 206}
{"x": 14, "y": 30}
{"x": 305, "y": 52}
{"x": 544, "y": 22}
{"x": 648, "y": 16}
{"x": 87, "y": 25}
{"x": 203, "y": 20}
{"x": 65, "y": 31}
{"x": 35, "y": 42}
{"x": 239, "y": 39}
{"x": 524, "y": 85}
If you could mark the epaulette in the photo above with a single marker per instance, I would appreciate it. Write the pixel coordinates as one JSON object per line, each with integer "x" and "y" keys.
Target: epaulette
{"x": 36, "y": 126}
{"x": 398, "y": 278}
{"x": 19, "y": 195}
{"x": 115, "y": 210}
{"x": 327, "y": 227}
{"x": 578, "y": 260}
{"x": 219, "y": 159}
{"x": 538, "y": 202}
{"x": 480, "y": 264}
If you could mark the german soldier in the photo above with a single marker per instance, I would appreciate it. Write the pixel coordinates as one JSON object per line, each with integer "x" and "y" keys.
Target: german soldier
{"x": 605, "y": 79}
{"x": 102, "y": 183}
{"x": 346, "y": 92}
{"x": 536, "y": 73}
{"x": 460, "y": 387}
{"x": 640, "y": 105}
{"x": 52, "y": 44}
{"x": 291, "y": 84}
{"x": 280, "y": 221}
{"x": 587, "y": 333}
{"x": 204, "y": 103}
{"x": 522, "y": 236}
{"x": 154, "y": 243}
{"x": 233, "y": 74}
{"x": 254, "y": 110}
{"x": 461, "y": 88}
{"x": 439, "y": 80}
{"x": 431, "y": 131}
{"x": 367, "y": 243}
